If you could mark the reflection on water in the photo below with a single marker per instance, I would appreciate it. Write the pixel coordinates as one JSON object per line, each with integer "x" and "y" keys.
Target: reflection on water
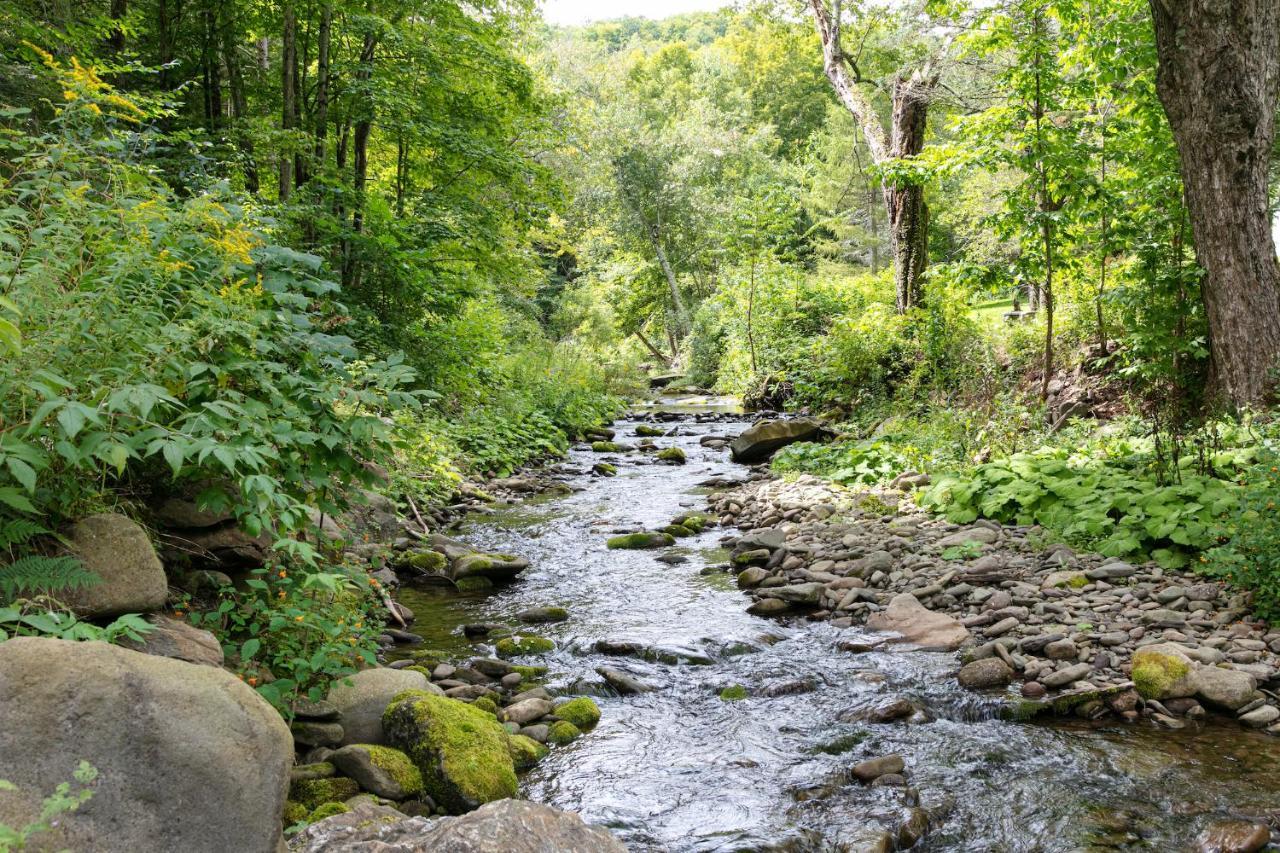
{"x": 680, "y": 769}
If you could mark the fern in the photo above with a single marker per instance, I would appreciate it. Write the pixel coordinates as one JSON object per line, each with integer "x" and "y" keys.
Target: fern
{"x": 35, "y": 573}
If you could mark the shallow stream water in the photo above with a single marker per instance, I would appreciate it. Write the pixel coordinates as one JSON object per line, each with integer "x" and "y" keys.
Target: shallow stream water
{"x": 680, "y": 769}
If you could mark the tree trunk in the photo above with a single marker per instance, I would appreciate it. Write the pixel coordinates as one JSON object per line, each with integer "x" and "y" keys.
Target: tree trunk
{"x": 359, "y": 166}
{"x": 321, "y": 123}
{"x": 673, "y": 284}
{"x": 239, "y": 106}
{"x": 904, "y": 202}
{"x": 119, "y": 9}
{"x": 1219, "y": 82}
{"x": 666, "y": 362}
{"x": 288, "y": 94}
{"x": 211, "y": 71}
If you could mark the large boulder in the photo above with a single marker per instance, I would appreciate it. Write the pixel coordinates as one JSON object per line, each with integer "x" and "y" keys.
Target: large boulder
{"x": 118, "y": 551}
{"x": 1169, "y": 671}
{"x": 914, "y": 623}
{"x": 189, "y": 758}
{"x": 506, "y": 826}
{"x": 758, "y": 443}
{"x": 173, "y": 638}
{"x": 361, "y": 699}
{"x": 461, "y": 751}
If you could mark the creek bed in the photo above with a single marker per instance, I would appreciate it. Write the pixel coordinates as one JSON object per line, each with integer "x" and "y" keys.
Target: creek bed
{"x": 681, "y": 769}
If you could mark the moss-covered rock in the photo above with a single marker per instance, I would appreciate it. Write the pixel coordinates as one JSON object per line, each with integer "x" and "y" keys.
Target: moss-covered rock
{"x": 583, "y": 712}
{"x": 678, "y": 530}
{"x": 484, "y": 703}
{"x": 1162, "y": 671}
{"x": 649, "y": 431}
{"x": 525, "y": 751}
{"x": 325, "y": 810}
{"x": 604, "y": 469}
{"x": 562, "y": 732}
{"x": 692, "y": 520}
{"x": 430, "y": 562}
{"x": 473, "y": 583}
{"x": 496, "y": 567}
{"x": 733, "y": 693}
{"x": 529, "y": 673}
{"x": 294, "y": 813}
{"x": 523, "y": 644}
{"x": 605, "y": 447}
{"x": 380, "y": 770}
{"x": 673, "y": 455}
{"x": 311, "y": 793}
{"x": 461, "y": 751}
{"x": 639, "y": 541}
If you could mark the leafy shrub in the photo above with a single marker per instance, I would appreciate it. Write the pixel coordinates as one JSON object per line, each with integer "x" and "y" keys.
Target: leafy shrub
{"x": 848, "y": 463}
{"x": 1249, "y": 555}
{"x": 62, "y": 801}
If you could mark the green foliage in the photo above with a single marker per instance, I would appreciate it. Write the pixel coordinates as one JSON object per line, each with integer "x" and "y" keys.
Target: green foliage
{"x": 306, "y": 627}
{"x": 43, "y": 616}
{"x": 1112, "y": 501}
{"x": 35, "y": 574}
{"x": 1249, "y": 555}
{"x": 869, "y": 463}
{"x": 62, "y": 801}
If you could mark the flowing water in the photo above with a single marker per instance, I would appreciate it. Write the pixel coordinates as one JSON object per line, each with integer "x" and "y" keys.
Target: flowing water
{"x": 680, "y": 769}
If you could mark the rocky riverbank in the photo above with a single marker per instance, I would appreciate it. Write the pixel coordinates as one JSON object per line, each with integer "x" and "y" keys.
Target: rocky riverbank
{"x": 1039, "y": 627}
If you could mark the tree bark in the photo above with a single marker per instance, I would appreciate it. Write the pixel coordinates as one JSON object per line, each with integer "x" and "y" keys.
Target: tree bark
{"x": 239, "y": 106}
{"x": 658, "y": 354}
{"x": 904, "y": 202}
{"x": 673, "y": 284}
{"x": 1219, "y": 82}
{"x": 359, "y": 166}
{"x": 288, "y": 94}
{"x": 321, "y": 123}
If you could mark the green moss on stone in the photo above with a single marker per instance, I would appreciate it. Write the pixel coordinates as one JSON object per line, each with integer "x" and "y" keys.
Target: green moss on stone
{"x": 583, "y": 712}
{"x": 484, "y": 703}
{"x": 529, "y": 673}
{"x": 734, "y": 693}
{"x": 678, "y": 530}
{"x": 605, "y": 447}
{"x": 294, "y": 813}
{"x": 325, "y": 810}
{"x": 524, "y": 644}
{"x": 427, "y": 561}
{"x": 1077, "y": 581}
{"x": 473, "y": 583}
{"x": 398, "y": 766}
{"x": 1155, "y": 673}
{"x": 604, "y": 469}
{"x": 562, "y": 732}
{"x": 461, "y": 751}
{"x": 311, "y": 793}
{"x": 635, "y": 541}
{"x": 525, "y": 751}
{"x": 648, "y": 431}
{"x": 672, "y": 454}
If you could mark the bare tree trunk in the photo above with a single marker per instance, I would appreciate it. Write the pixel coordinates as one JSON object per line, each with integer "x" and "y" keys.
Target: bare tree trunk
{"x": 288, "y": 93}
{"x": 904, "y": 202}
{"x": 1219, "y": 82}
{"x": 657, "y": 353}
{"x": 359, "y": 166}
{"x": 673, "y": 284}
{"x": 321, "y": 118}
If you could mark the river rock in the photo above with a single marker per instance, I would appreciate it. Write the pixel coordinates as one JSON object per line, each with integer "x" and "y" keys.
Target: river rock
{"x": 173, "y": 638}
{"x": 526, "y": 711}
{"x": 1225, "y": 688}
{"x": 979, "y": 535}
{"x": 801, "y": 593}
{"x": 507, "y": 826}
{"x": 988, "y": 672}
{"x": 130, "y": 576}
{"x": 362, "y": 698}
{"x": 1063, "y": 677}
{"x": 916, "y": 624}
{"x": 380, "y": 770}
{"x": 1233, "y": 836}
{"x": 189, "y": 757}
{"x": 622, "y": 682}
{"x": 1261, "y": 717}
{"x": 874, "y": 768}
{"x": 759, "y": 442}
{"x": 460, "y": 750}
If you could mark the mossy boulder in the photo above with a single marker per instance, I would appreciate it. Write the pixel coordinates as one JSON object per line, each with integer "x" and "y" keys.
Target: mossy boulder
{"x": 605, "y": 447}
{"x": 312, "y": 793}
{"x": 649, "y": 431}
{"x": 672, "y": 455}
{"x": 461, "y": 751}
{"x": 525, "y": 751}
{"x": 733, "y": 693}
{"x": 604, "y": 469}
{"x": 583, "y": 712}
{"x": 529, "y": 673}
{"x": 428, "y": 562}
{"x": 484, "y": 703}
{"x": 380, "y": 770}
{"x": 496, "y": 567}
{"x": 325, "y": 810}
{"x": 562, "y": 732}
{"x": 541, "y": 615}
{"x": 641, "y": 541}
{"x": 679, "y": 531}
{"x": 475, "y": 583}
{"x": 523, "y": 644}
{"x": 692, "y": 520}
{"x": 1163, "y": 671}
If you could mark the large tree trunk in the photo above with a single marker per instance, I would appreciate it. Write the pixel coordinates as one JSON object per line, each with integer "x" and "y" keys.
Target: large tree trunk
{"x": 673, "y": 284}
{"x": 359, "y": 167}
{"x": 1219, "y": 81}
{"x": 904, "y": 202}
{"x": 288, "y": 94}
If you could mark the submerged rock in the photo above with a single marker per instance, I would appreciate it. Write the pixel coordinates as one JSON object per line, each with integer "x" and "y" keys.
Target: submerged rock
{"x": 640, "y": 541}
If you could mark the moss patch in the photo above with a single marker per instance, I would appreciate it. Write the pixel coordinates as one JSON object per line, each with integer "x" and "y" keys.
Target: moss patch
{"x": 525, "y": 751}
{"x": 461, "y": 751}
{"x": 674, "y": 455}
{"x": 562, "y": 732}
{"x": 648, "y": 431}
{"x": 636, "y": 541}
{"x": 294, "y": 813}
{"x": 426, "y": 561}
{"x": 678, "y": 530}
{"x": 604, "y": 469}
{"x": 583, "y": 712}
{"x": 473, "y": 583}
{"x": 529, "y": 673}
{"x": 1155, "y": 673}
{"x": 484, "y": 703}
{"x": 524, "y": 644}
{"x": 734, "y": 693}
{"x": 398, "y": 766}
{"x": 311, "y": 793}
{"x": 605, "y": 447}
{"x": 325, "y": 810}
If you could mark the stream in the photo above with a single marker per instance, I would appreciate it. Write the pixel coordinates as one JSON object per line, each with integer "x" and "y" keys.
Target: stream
{"x": 680, "y": 769}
